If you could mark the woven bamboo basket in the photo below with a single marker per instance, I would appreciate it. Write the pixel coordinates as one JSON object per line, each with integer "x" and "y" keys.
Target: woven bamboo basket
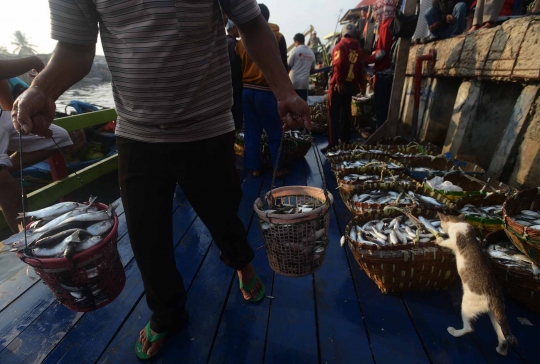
{"x": 293, "y": 241}
{"x": 382, "y": 173}
{"x": 527, "y": 240}
{"x": 377, "y": 160}
{"x": 351, "y": 150}
{"x": 483, "y": 226}
{"x": 358, "y": 208}
{"x": 403, "y": 267}
{"x": 437, "y": 165}
{"x": 293, "y": 148}
{"x": 471, "y": 185}
{"x": 407, "y": 145}
{"x": 519, "y": 284}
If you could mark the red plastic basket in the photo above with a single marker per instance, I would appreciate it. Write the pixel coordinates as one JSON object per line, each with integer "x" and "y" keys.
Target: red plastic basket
{"x": 97, "y": 273}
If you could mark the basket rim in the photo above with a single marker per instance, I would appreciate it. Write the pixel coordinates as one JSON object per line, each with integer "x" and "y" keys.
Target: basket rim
{"x": 311, "y": 191}
{"x": 77, "y": 258}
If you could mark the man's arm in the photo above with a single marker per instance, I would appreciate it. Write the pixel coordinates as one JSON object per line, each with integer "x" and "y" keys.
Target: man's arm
{"x": 263, "y": 48}
{"x": 34, "y": 109}
{"x": 6, "y": 100}
{"x": 16, "y": 67}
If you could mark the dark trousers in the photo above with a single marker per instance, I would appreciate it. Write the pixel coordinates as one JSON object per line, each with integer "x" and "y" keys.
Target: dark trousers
{"x": 382, "y": 93}
{"x": 148, "y": 173}
{"x": 340, "y": 118}
{"x": 303, "y": 93}
{"x": 237, "y": 111}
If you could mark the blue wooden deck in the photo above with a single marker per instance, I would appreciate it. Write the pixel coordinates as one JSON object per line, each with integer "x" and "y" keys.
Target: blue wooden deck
{"x": 337, "y": 315}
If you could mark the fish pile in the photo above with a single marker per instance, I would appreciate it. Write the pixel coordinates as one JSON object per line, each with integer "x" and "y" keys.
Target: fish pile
{"x": 352, "y": 152}
{"x": 374, "y": 178}
{"x": 63, "y": 230}
{"x": 528, "y": 218}
{"x": 296, "y": 135}
{"x": 438, "y": 183}
{"x": 364, "y": 163}
{"x": 395, "y": 198}
{"x": 393, "y": 231}
{"x": 507, "y": 254}
{"x": 493, "y": 212}
{"x": 288, "y": 209}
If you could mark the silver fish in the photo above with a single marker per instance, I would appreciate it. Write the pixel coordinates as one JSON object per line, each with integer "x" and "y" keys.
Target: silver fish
{"x": 87, "y": 244}
{"x": 55, "y": 210}
{"x": 56, "y": 250}
{"x": 100, "y": 228}
{"x": 55, "y": 222}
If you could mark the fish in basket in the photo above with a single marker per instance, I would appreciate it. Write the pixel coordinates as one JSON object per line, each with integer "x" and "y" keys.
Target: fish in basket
{"x": 294, "y": 221}
{"x": 399, "y": 253}
{"x": 365, "y": 160}
{"x": 72, "y": 247}
{"x": 521, "y": 222}
{"x": 350, "y": 150}
{"x": 375, "y": 196}
{"x": 518, "y": 275}
{"x": 295, "y": 145}
{"x": 458, "y": 185}
{"x": 406, "y": 145}
{"x": 483, "y": 212}
{"x": 420, "y": 167}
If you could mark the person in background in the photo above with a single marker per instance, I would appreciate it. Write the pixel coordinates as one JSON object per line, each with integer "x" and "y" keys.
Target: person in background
{"x": 421, "y": 33}
{"x": 384, "y": 11}
{"x": 176, "y": 129}
{"x": 236, "y": 75}
{"x": 260, "y": 105}
{"x": 446, "y": 18}
{"x": 344, "y": 84}
{"x": 361, "y": 25}
{"x": 313, "y": 43}
{"x": 35, "y": 149}
{"x": 486, "y": 14}
{"x": 301, "y": 63}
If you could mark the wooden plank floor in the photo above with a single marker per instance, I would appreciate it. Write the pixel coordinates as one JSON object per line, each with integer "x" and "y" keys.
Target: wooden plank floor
{"x": 336, "y": 315}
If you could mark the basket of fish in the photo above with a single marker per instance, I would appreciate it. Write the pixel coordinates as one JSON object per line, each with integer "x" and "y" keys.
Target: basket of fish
{"x": 295, "y": 145}
{"x": 376, "y": 196}
{"x": 458, "y": 185}
{"x": 294, "y": 222}
{"x": 399, "y": 253}
{"x": 72, "y": 247}
{"x": 420, "y": 167}
{"x": 366, "y": 160}
{"x": 518, "y": 275}
{"x": 483, "y": 212}
{"x": 406, "y": 145}
{"x": 521, "y": 222}
{"x": 350, "y": 178}
{"x": 319, "y": 118}
{"x": 351, "y": 150}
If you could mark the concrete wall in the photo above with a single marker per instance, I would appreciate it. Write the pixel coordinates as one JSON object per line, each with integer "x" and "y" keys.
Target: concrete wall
{"x": 481, "y": 100}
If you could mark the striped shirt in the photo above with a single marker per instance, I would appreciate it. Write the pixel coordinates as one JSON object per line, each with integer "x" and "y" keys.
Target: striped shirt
{"x": 168, "y": 59}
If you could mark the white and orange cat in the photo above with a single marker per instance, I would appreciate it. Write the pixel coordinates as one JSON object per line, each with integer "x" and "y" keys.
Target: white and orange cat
{"x": 481, "y": 291}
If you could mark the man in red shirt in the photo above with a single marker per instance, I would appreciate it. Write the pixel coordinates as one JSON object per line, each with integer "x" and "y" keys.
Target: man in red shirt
{"x": 345, "y": 83}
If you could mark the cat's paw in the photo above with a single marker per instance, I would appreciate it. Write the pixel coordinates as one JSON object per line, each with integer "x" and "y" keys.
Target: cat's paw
{"x": 439, "y": 240}
{"x": 452, "y": 331}
{"x": 502, "y": 349}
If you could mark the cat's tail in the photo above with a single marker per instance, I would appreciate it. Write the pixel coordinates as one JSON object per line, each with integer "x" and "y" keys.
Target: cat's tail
{"x": 500, "y": 317}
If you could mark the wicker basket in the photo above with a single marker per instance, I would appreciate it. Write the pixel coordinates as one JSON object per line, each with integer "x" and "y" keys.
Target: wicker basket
{"x": 398, "y": 176}
{"x": 440, "y": 164}
{"x": 471, "y": 185}
{"x": 403, "y": 267}
{"x": 292, "y": 241}
{"x": 406, "y": 145}
{"x": 293, "y": 148}
{"x": 358, "y": 208}
{"x": 351, "y": 151}
{"x": 482, "y": 226}
{"x": 378, "y": 161}
{"x": 520, "y": 284}
{"x": 527, "y": 240}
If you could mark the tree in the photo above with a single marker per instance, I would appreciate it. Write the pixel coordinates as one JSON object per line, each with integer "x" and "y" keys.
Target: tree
{"x": 22, "y": 45}
{"x": 3, "y": 50}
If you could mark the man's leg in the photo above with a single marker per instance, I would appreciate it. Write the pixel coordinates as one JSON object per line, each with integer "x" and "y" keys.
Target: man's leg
{"x": 217, "y": 204}
{"x": 345, "y": 119}
{"x": 492, "y": 9}
{"x": 335, "y": 112}
{"x": 460, "y": 14}
{"x": 433, "y": 16}
{"x": 10, "y": 198}
{"x": 147, "y": 189}
{"x": 267, "y": 113}
{"x": 252, "y": 132}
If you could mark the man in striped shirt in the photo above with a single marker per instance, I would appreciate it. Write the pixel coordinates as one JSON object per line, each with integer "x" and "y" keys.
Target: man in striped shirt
{"x": 172, "y": 87}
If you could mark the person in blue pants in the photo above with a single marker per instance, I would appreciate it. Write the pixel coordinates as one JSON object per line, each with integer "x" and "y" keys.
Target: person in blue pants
{"x": 446, "y": 18}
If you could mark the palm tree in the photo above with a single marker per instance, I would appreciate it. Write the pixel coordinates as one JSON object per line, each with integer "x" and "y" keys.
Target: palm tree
{"x": 3, "y": 50}
{"x": 23, "y": 47}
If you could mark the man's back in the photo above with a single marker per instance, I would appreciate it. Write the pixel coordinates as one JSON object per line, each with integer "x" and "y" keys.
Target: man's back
{"x": 301, "y": 61}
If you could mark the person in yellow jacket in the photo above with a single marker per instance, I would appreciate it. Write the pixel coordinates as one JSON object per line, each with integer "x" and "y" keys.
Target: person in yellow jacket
{"x": 260, "y": 106}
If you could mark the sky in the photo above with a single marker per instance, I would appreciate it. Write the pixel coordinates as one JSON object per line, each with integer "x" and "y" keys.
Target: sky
{"x": 293, "y": 16}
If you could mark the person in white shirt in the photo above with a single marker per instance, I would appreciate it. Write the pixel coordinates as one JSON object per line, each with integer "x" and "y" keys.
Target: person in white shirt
{"x": 301, "y": 63}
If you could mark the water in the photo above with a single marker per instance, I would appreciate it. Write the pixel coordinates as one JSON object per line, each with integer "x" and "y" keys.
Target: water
{"x": 97, "y": 94}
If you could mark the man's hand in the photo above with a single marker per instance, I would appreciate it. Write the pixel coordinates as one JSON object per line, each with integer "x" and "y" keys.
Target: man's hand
{"x": 434, "y": 26}
{"x": 294, "y": 112}
{"x": 450, "y": 19}
{"x": 33, "y": 112}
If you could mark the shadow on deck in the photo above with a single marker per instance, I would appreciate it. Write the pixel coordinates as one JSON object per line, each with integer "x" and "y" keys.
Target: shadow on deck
{"x": 336, "y": 315}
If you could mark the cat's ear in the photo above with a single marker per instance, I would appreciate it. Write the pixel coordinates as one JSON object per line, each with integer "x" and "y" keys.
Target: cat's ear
{"x": 441, "y": 216}
{"x": 462, "y": 217}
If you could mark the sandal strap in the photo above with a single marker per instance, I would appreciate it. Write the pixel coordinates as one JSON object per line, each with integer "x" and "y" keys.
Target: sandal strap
{"x": 250, "y": 286}
{"x": 152, "y": 338}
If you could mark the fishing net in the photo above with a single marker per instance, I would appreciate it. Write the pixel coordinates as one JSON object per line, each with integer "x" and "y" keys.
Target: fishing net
{"x": 403, "y": 267}
{"x": 97, "y": 274}
{"x": 527, "y": 240}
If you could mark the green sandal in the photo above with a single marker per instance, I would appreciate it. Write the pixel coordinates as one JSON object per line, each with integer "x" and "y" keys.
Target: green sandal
{"x": 249, "y": 288}
{"x": 151, "y": 338}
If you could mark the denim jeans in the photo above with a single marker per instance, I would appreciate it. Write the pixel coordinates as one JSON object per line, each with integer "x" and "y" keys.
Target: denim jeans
{"x": 448, "y": 30}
